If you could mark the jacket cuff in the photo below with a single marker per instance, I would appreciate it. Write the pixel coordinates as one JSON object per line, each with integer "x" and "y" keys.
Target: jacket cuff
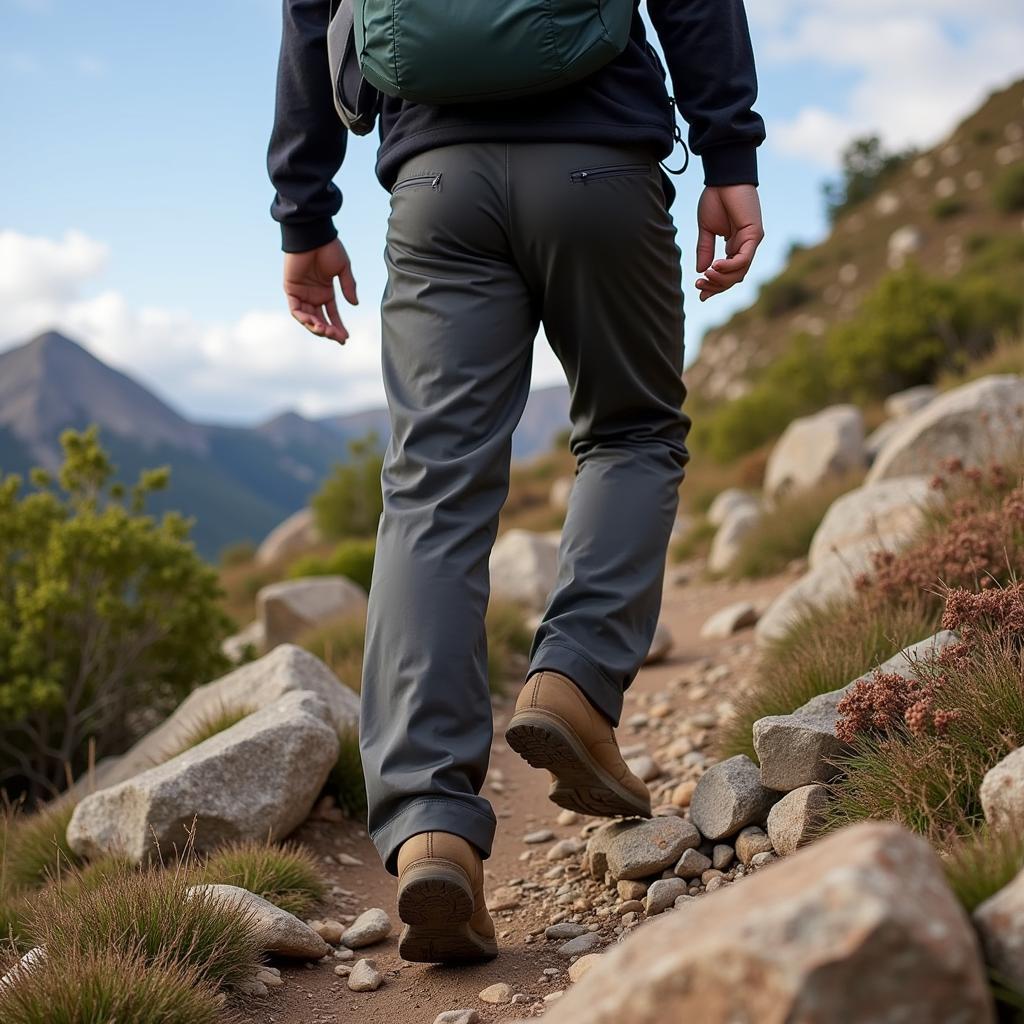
{"x": 307, "y": 235}
{"x": 734, "y": 164}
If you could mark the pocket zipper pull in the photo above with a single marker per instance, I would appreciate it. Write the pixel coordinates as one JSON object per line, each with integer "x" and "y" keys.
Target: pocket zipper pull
{"x": 436, "y": 184}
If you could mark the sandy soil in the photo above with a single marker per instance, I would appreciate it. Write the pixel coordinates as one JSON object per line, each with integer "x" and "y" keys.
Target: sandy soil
{"x": 415, "y": 994}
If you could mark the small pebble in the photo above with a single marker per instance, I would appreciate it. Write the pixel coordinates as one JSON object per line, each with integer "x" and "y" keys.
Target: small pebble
{"x": 565, "y": 848}
{"x": 563, "y": 931}
{"x": 584, "y": 964}
{"x": 457, "y": 1017}
{"x": 369, "y": 927}
{"x": 497, "y": 994}
{"x": 365, "y": 977}
{"x": 583, "y": 944}
{"x": 544, "y": 835}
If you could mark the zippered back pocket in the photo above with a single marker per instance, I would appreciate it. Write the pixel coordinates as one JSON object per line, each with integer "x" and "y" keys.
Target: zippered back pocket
{"x": 419, "y": 181}
{"x": 585, "y": 174}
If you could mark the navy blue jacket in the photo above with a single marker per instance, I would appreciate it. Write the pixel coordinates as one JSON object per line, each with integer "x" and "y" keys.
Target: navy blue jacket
{"x": 710, "y": 62}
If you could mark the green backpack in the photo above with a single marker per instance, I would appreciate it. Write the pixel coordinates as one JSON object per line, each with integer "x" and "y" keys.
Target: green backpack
{"x": 448, "y": 51}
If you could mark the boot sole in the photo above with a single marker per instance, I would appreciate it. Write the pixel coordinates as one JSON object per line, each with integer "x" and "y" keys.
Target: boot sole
{"x": 581, "y": 784}
{"x": 435, "y": 902}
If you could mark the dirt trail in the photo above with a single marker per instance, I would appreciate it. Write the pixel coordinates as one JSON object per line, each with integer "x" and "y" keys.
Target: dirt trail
{"x": 415, "y": 994}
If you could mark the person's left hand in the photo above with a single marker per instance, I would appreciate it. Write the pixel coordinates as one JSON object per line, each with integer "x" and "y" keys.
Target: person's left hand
{"x": 734, "y": 213}
{"x": 309, "y": 287}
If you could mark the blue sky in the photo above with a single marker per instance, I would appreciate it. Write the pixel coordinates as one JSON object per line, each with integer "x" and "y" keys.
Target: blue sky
{"x": 134, "y": 197}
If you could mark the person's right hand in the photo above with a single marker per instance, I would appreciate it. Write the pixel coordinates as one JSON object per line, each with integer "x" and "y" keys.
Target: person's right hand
{"x": 734, "y": 213}
{"x": 309, "y": 287}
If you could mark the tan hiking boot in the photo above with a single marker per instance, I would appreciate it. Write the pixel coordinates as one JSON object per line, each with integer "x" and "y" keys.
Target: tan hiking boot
{"x": 557, "y": 728}
{"x": 441, "y": 901}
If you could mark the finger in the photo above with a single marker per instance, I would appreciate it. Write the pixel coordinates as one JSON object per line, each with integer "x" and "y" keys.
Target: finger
{"x": 348, "y": 285}
{"x": 705, "y": 249}
{"x": 723, "y": 280}
{"x": 335, "y": 317}
{"x": 740, "y": 261}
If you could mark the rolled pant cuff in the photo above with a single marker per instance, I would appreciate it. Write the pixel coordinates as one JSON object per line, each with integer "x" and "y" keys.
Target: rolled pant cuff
{"x": 433, "y": 814}
{"x": 602, "y": 692}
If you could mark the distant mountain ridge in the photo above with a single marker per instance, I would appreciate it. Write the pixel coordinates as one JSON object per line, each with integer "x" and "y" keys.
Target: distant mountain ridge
{"x": 237, "y": 481}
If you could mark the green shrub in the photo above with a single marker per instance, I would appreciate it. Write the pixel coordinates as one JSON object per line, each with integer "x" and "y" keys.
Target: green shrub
{"x": 1008, "y": 190}
{"x": 240, "y": 553}
{"x": 152, "y": 916}
{"x": 865, "y": 168}
{"x": 35, "y": 848}
{"x": 948, "y": 207}
{"x": 346, "y": 782}
{"x": 340, "y": 644}
{"x": 508, "y": 643}
{"x": 288, "y": 876}
{"x": 108, "y": 987}
{"x": 349, "y": 502}
{"x": 783, "y": 294}
{"x": 785, "y": 532}
{"x": 350, "y": 558}
{"x": 216, "y": 720}
{"x": 105, "y": 611}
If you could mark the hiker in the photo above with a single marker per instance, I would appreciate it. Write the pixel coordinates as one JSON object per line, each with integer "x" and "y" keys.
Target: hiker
{"x": 523, "y": 196}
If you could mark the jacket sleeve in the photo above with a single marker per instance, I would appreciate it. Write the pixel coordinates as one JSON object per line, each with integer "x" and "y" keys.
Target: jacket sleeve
{"x": 307, "y": 144}
{"x": 711, "y": 62}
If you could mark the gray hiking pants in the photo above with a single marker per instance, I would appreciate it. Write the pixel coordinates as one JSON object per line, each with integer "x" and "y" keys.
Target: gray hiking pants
{"x": 485, "y": 242}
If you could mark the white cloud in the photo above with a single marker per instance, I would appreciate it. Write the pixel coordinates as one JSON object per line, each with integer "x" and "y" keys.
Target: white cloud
{"x": 917, "y": 66}
{"x": 237, "y": 370}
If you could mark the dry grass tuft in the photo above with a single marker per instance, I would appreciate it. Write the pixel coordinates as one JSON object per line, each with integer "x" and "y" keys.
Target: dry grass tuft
{"x": 107, "y": 986}
{"x": 288, "y": 876}
{"x": 213, "y": 722}
{"x": 34, "y": 848}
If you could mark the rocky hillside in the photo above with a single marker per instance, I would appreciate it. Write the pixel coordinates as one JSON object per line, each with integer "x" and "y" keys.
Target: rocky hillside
{"x": 238, "y": 482}
{"x": 937, "y": 208}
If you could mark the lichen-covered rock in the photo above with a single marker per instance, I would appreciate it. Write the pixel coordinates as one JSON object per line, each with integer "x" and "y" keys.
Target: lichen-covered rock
{"x": 255, "y": 780}
{"x": 727, "y": 502}
{"x": 730, "y": 796}
{"x": 728, "y": 539}
{"x": 291, "y": 537}
{"x": 292, "y": 607}
{"x": 815, "y": 449}
{"x": 524, "y": 567}
{"x": 976, "y": 422}
{"x": 859, "y": 928}
{"x": 1000, "y": 924}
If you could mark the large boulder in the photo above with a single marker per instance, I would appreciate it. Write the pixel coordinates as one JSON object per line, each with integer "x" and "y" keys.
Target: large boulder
{"x": 279, "y": 933}
{"x": 860, "y": 928}
{"x": 1002, "y": 793}
{"x": 1000, "y": 924}
{"x": 728, "y": 540}
{"x": 298, "y": 533}
{"x": 815, "y": 449}
{"x": 255, "y": 780}
{"x": 976, "y": 422}
{"x": 887, "y": 513}
{"x": 911, "y": 400}
{"x": 524, "y": 567}
{"x": 728, "y": 501}
{"x": 832, "y": 579}
{"x": 292, "y": 607}
{"x": 286, "y": 669}
{"x": 799, "y": 749}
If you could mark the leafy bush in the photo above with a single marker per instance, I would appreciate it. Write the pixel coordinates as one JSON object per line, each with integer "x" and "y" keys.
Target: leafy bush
{"x": 783, "y": 294}
{"x": 103, "y": 612}
{"x": 349, "y": 502}
{"x": 1008, "y": 190}
{"x": 287, "y": 876}
{"x": 865, "y": 168}
{"x": 948, "y": 207}
{"x": 785, "y": 532}
{"x": 101, "y": 986}
{"x": 340, "y": 644}
{"x": 241, "y": 553}
{"x": 152, "y": 916}
{"x": 508, "y": 643}
{"x": 351, "y": 558}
